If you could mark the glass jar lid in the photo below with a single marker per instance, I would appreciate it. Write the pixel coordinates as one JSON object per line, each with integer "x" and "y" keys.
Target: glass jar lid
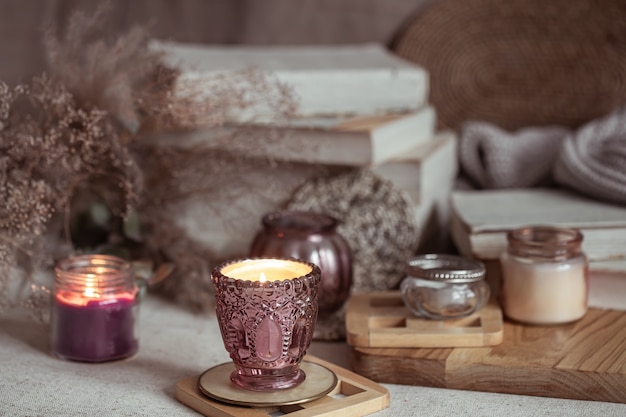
{"x": 546, "y": 242}
{"x": 446, "y": 268}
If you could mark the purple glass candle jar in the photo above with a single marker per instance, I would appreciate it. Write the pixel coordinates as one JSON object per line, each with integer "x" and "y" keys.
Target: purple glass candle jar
{"x": 312, "y": 237}
{"x": 94, "y": 309}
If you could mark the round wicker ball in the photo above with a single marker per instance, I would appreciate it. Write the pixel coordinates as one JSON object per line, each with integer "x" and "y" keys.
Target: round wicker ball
{"x": 517, "y": 63}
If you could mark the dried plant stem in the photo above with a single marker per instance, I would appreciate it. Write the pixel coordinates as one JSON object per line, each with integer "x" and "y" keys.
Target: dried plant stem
{"x": 82, "y": 126}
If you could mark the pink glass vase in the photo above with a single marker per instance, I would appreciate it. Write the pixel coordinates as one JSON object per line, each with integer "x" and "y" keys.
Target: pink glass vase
{"x": 314, "y": 238}
{"x": 266, "y": 309}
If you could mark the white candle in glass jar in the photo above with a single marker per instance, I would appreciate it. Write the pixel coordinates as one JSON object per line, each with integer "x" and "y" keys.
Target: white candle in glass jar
{"x": 544, "y": 292}
{"x": 544, "y": 276}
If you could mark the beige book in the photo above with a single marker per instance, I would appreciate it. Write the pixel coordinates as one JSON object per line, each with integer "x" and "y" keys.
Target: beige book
{"x": 355, "y": 141}
{"x": 352, "y": 79}
{"x": 427, "y": 173}
{"x": 481, "y": 219}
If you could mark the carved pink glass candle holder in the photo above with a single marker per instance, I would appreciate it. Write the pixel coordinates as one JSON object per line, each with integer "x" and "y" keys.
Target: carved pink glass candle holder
{"x": 267, "y": 309}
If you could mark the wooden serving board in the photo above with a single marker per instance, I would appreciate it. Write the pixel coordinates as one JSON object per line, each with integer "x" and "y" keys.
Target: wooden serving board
{"x": 380, "y": 319}
{"x": 585, "y": 360}
{"x": 353, "y": 396}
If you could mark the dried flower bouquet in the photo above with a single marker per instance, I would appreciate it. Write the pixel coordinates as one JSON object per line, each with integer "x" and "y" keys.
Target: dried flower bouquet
{"x": 78, "y": 171}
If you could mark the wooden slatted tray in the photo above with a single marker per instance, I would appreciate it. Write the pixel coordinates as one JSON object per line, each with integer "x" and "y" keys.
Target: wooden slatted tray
{"x": 353, "y": 396}
{"x": 585, "y": 360}
{"x": 380, "y": 319}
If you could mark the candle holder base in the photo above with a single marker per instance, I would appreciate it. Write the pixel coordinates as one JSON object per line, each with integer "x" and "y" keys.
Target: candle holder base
{"x": 215, "y": 383}
{"x": 351, "y": 396}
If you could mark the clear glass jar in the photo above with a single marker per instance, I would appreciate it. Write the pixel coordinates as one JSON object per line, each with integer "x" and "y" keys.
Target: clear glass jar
{"x": 440, "y": 286}
{"x": 544, "y": 275}
{"x": 94, "y": 309}
{"x": 312, "y": 237}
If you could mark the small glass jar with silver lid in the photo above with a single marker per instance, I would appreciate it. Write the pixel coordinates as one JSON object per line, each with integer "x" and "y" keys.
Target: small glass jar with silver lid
{"x": 441, "y": 286}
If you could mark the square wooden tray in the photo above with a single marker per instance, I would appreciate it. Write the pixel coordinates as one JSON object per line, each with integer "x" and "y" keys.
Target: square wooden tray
{"x": 380, "y": 319}
{"x": 353, "y": 396}
{"x": 585, "y": 360}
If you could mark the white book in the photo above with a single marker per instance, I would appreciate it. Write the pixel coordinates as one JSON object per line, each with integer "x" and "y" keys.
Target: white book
{"x": 481, "y": 219}
{"x": 356, "y": 141}
{"x": 434, "y": 164}
{"x": 326, "y": 79}
{"x": 228, "y": 230}
{"x": 607, "y": 284}
{"x": 422, "y": 170}
{"x": 427, "y": 173}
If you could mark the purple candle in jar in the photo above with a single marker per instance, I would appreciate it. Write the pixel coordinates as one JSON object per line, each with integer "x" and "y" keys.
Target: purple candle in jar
{"x": 101, "y": 330}
{"x": 94, "y": 309}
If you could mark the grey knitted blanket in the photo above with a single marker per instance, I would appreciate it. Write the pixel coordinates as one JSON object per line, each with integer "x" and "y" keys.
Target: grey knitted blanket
{"x": 590, "y": 160}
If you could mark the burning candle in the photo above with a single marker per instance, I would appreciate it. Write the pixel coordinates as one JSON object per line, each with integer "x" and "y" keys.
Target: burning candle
{"x": 266, "y": 309}
{"x": 94, "y": 309}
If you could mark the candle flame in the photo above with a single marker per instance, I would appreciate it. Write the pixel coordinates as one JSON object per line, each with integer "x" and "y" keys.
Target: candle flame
{"x": 262, "y": 278}
{"x": 90, "y": 287}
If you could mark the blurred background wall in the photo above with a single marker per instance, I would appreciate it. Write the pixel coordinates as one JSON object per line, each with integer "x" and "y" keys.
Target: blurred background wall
{"x": 204, "y": 21}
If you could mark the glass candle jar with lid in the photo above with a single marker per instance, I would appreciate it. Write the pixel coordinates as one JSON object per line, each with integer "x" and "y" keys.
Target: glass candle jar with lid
{"x": 544, "y": 275}
{"x": 441, "y": 286}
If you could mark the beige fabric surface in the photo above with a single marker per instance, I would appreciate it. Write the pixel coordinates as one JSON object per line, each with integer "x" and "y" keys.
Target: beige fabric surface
{"x": 175, "y": 344}
{"x": 590, "y": 160}
{"x": 593, "y": 159}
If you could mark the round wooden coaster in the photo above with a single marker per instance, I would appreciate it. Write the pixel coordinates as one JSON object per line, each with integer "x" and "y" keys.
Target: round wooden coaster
{"x": 215, "y": 383}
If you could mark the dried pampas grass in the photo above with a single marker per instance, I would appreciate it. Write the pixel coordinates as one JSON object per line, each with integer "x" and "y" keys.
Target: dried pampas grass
{"x": 80, "y": 134}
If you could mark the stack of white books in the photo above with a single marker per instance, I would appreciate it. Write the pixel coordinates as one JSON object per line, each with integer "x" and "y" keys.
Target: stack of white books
{"x": 359, "y": 106}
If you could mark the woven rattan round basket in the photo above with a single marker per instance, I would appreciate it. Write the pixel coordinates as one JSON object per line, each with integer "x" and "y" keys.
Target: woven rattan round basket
{"x": 518, "y": 63}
